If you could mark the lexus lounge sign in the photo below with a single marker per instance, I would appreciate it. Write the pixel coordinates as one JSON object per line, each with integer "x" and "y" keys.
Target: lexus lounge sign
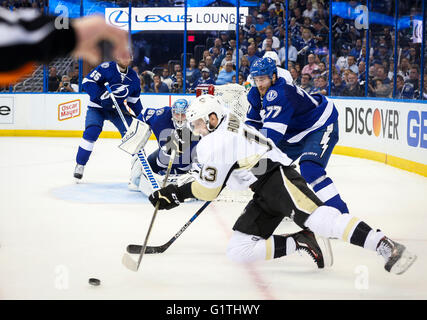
{"x": 155, "y": 19}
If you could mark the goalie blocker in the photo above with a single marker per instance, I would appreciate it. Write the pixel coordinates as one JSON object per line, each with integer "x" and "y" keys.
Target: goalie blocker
{"x": 136, "y": 137}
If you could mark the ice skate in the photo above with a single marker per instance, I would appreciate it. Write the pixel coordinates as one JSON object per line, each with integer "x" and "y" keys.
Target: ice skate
{"x": 78, "y": 172}
{"x": 398, "y": 258}
{"x": 306, "y": 241}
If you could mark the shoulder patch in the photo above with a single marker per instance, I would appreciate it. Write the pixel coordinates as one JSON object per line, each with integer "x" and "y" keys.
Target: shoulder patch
{"x": 271, "y": 95}
{"x": 105, "y": 65}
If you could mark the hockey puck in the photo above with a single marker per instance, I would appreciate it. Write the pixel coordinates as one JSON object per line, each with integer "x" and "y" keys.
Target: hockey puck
{"x": 94, "y": 282}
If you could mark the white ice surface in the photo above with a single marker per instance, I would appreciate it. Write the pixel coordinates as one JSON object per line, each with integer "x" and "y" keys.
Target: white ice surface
{"x": 55, "y": 234}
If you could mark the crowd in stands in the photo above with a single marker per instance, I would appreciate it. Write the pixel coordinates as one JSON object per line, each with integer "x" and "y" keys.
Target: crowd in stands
{"x": 308, "y": 48}
{"x": 308, "y": 51}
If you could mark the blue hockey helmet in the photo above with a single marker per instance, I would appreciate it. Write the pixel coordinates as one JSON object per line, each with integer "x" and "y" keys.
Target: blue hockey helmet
{"x": 263, "y": 66}
{"x": 179, "y": 108}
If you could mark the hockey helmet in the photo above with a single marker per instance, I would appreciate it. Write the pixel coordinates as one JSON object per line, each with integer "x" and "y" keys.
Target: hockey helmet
{"x": 201, "y": 108}
{"x": 263, "y": 66}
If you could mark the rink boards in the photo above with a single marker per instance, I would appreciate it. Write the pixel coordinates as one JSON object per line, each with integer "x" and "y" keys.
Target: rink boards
{"x": 389, "y": 131}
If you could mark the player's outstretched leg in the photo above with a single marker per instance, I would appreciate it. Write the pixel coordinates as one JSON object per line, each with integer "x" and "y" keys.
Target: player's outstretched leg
{"x": 329, "y": 222}
{"x": 246, "y": 248}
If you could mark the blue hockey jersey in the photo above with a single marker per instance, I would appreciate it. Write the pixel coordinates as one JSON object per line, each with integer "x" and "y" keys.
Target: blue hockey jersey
{"x": 125, "y": 86}
{"x": 160, "y": 122}
{"x": 288, "y": 113}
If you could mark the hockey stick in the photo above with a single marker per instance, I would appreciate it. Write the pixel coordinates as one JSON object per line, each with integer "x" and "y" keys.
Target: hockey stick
{"x": 136, "y": 248}
{"x": 127, "y": 261}
{"x": 141, "y": 154}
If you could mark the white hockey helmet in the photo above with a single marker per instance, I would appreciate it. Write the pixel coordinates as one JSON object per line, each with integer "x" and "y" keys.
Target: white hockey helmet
{"x": 273, "y": 55}
{"x": 201, "y": 108}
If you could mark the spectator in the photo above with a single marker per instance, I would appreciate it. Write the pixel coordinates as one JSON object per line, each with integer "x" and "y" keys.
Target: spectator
{"x": 353, "y": 88}
{"x": 252, "y": 54}
{"x": 356, "y": 51}
{"x": 224, "y": 40}
{"x": 166, "y": 79}
{"x": 204, "y": 79}
{"x": 244, "y": 67}
{"x": 294, "y": 27}
{"x": 306, "y": 82}
{"x": 310, "y": 66}
{"x": 323, "y": 71}
{"x": 226, "y": 74}
{"x": 381, "y": 90}
{"x": 321, "y": 34}
{"x": 404, "y": 90}
{"x": 305, "y": 45}
{"x": 340, "y": 33}
{"x": 404, "y": 68}
{"x": 362, "y": 71}
{"x": 176, "y": 68}
{"x": 65, "y": 84}
{"x": 241, "y": 79}
{"x": 292, "y": 53}
{"x": 211, "y": 67}
{"x": 382, "y": 75}
{"x": 158, "y": 86}
{"x": 295, "y": 77}
{"x": 53, "y": 80}
{"x": 342, "y": 62}
{"x": 298, "y": 16}
{"x": 228, "y": 58}
{"x": 218, "y": 44}
{"x": 413, "y": 56}
{"x": 178, "y": 84}
{"x": 248, "y": 23}
{"x": 269, "y": 35}
{"x": 337, "y": 85}
{"x": 252, "y": 32}
{"x": 414, "y": 77}
{"x": 217, "y": 57}
{"x": 321, "y": 86}
{"x": 351, "y": 64}
{"x": 261, "y": 24}
{"x": 309, "y": 11}
{"x": 424, "y": 96}
{"x": 192, "y": 73}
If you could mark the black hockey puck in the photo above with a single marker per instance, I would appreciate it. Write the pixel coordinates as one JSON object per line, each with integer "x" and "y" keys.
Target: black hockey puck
{"x": 94, "y": 282}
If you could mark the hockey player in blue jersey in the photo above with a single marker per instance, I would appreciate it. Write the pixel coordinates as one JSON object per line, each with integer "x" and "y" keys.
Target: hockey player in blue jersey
{"x": 125, "y": 84}
{"x": 302, "y": 126}
{"x": 169, "y": 127}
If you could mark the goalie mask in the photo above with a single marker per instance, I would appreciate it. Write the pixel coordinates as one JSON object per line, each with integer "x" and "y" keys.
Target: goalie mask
{"x": 178, "y": 113}
{"x": 199, "y": 112}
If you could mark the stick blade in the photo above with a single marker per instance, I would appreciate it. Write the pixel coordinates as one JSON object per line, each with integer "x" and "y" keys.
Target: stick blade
{"x": 129, "y": 263}
{"x": 136, "y": 249}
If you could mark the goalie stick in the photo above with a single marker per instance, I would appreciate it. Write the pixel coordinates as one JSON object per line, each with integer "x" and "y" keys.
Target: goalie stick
{"x": 136, "y": 248}
{"x": 141, "y": 154}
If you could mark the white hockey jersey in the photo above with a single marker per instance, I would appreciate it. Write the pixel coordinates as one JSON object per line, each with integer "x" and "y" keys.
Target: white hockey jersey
{"x": 231, "y": 156}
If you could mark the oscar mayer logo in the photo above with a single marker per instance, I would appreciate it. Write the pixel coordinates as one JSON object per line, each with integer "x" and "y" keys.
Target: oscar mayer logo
{"x": 69, "y": 110}
{"x": 382, "y": 123}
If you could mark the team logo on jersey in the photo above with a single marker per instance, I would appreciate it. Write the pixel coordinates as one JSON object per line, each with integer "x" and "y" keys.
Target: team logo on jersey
{"x": 119, "y": 91}
{"x": 105, "y": 65}
{"x": 271, "y": 95}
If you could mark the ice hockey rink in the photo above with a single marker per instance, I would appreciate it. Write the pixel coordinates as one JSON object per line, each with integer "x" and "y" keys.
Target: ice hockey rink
{"x": 56, "y": 234}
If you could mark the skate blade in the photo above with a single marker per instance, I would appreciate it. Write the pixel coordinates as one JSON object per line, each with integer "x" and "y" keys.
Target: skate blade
{"x": 325, "y": 246}
{"x": 403, "y": 263}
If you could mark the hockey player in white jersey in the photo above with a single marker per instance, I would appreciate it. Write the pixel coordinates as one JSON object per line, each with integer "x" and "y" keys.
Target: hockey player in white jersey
{"x": 234, "y": 154}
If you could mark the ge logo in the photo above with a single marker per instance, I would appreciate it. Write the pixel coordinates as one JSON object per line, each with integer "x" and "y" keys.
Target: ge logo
{"x": 5, "y": 110}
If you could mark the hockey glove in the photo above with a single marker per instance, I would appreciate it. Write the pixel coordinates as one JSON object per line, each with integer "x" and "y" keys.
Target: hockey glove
{"x": 169, "y": 197}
